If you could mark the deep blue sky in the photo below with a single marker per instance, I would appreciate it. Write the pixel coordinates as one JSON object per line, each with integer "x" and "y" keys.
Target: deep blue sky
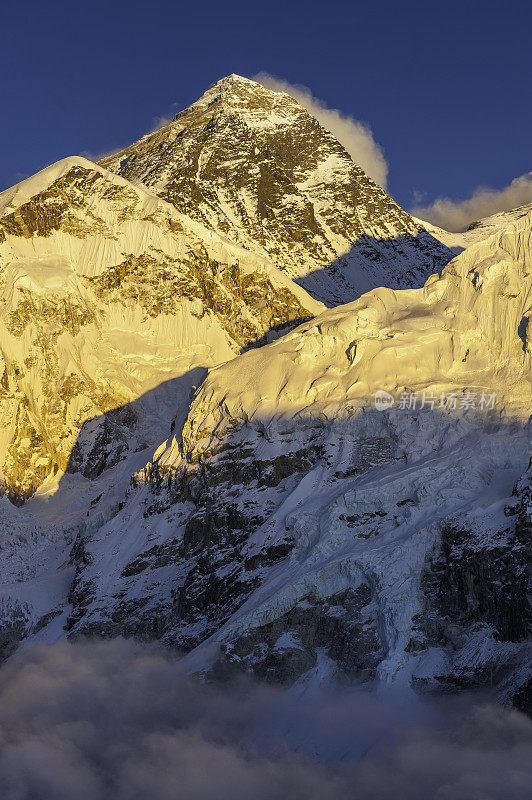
{"x": 446, "y": 86}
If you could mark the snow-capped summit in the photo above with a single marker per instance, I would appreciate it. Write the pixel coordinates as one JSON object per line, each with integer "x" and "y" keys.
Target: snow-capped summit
{"x": 254, "y": 164}
{"x": 247, "y": 97}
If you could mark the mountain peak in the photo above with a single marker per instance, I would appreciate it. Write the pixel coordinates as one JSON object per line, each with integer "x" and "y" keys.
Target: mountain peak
{"x": 236, "y": 94}
{"x": 233, "y": 78}
{"x": 257, "y": 166}
{"x": 237, "y": 83}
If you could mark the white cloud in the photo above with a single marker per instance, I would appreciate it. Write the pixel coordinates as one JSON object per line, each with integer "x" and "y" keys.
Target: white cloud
{"x": 355, "y": 136}
{"x": 457, "y": 216}
{"x": 162, "y": 121}
{"x": 112, "y": 719}
{"x": 90, "y": 156}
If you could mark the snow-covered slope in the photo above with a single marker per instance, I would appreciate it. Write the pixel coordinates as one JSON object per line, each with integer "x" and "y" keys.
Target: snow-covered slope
{"x": 296, "y": 531}
{"x": 478, "y": 230}
{"x": 256, "y": 165}
{"x": 487, "y": 225}
{"x": 113, "y": 304}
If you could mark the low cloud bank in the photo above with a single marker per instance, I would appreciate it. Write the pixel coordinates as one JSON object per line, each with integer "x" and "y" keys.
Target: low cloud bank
{"x": 355, "y": 136}
{"x": 457, "y": 216}
{"x": 115, "y": 720}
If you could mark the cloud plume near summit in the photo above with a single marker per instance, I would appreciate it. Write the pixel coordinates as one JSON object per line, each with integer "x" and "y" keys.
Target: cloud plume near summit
{"x": 355, "y": 136}
{"x": 112, "y": 719}
{"x": 458, "y": 215}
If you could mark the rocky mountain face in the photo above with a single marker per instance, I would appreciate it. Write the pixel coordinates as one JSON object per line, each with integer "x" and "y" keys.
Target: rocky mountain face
{"x": 108, "y": 294}
{"x": 255, "y": 165}
{"x": 297, "y": 531}
{"x": 196, "y": 450}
